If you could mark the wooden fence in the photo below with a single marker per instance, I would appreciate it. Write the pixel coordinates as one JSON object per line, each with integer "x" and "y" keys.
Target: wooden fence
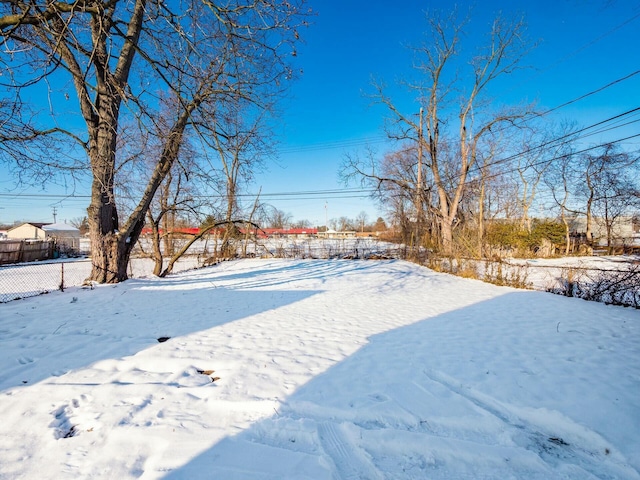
{"x": 16, "y": 251}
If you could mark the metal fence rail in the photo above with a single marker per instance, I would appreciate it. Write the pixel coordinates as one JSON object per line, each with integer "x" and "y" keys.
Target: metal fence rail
{"x": 31, "y": 279}
{"x": 28, "y": 280}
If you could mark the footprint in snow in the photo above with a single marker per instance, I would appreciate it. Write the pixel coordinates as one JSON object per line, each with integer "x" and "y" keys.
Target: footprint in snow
{"x": 63, "y": 423}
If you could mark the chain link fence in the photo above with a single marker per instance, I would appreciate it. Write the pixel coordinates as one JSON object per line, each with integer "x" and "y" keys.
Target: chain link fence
{"x": 27, "y": 280}
{"x": 30, "y": 279}
{"x": 620, "y": 286}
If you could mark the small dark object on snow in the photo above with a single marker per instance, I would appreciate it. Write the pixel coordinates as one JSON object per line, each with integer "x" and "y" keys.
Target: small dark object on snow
{"x": 71, "y": 433}
{"x": 163, "y": 339}
{"x": 208, "y": 372}
{"x": 558, "y": 441}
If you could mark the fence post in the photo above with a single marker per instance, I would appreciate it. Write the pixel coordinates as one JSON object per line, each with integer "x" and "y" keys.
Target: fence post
{"x": 61, "y": 286}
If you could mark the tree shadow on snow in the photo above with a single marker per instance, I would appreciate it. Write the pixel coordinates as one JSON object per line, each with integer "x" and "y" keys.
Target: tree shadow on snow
{"x": 467, "y": 393}
{"x": 52, "y": 337}
{"x": 269, "y": 274}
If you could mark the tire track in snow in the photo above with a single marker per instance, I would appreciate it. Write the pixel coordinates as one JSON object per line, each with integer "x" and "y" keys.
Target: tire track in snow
{"x": 350, "y": 461}
{"x": 581, "y": 447}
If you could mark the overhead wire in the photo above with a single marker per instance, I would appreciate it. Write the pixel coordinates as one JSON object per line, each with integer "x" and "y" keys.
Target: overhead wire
{"x": 565, "y": 155}
{"x": 565, "y": 139}
{"x": 300, "y": 195}
{"x": 362, "y": 193}
{"x": 572, "y": 135}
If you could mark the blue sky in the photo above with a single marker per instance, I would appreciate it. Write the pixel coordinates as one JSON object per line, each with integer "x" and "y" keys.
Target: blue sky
{"x": 582, "y": 46}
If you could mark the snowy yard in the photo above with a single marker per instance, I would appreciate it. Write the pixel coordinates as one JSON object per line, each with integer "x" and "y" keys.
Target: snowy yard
{"x": 327, "y": 370}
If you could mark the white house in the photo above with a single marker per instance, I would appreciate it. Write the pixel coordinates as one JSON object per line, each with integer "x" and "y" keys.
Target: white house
{"x": 335, "y": 234}
{"x": 67, "y": 237}
{"x": 28, "y": 231}
{"x": 625, "y": 231}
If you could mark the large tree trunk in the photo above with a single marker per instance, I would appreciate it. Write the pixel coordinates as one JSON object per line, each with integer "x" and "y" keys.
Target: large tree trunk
{"x": 110, "y": 253}
{"x": 102, "y": 213}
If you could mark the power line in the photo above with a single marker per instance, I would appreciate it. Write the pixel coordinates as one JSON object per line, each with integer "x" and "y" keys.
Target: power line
{"x": 382, "y": 139}
{"x": 593, "y": 92}
{"x": 331, "y": 197}
{"x": 548, "y": 160}
{"x": 572, "y": 101}
{"x": 41, "y": 195}
{"x": 592, "y": 42}
{"x": 571, "y": 137}
{"x": 299, "y": 195}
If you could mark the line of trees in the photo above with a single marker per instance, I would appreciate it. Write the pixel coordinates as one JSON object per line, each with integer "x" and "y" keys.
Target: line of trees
{"x": 465, "y": 163}
{"x": 270, "y": 217}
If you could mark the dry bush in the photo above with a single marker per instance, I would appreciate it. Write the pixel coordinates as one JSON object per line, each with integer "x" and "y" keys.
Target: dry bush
{"x": 617, "y": 287}
{"x": 504, "y": 274}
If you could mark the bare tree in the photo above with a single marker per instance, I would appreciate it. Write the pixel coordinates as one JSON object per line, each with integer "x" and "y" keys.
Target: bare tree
{"x": 484, "y": 187}
{"x": 560, "y": 180}
{"x": 241, "y": 141}
{"x": 172, "y": 198}
{"x": 361, "y": 220}
{"x": 274, "y": 218}
{"x": 531, "y": 166}
{"x": 301, "y": 223}
{"x": 118, "y": 55}
{"x": 561, "y": 175}
{"x": 394, "y": 181}
{"x": 344, "y": 224}
{"x": 435, "y": 134}
{"x": 605, "y": 182}
{"x": 81, "y": 223}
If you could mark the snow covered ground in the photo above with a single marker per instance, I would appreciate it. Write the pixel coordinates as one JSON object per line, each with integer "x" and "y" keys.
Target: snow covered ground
{"x": 327, "y": 370}
{"x": 35, "y": 278}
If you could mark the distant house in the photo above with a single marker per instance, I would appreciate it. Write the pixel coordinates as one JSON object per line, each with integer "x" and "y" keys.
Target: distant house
{"x": 27, "y": 231}
{"x": 625, "y": 231}
{"x": 287, "y": 232}
{"x": 67, "y": 237}
{"x": 335, "y": 234}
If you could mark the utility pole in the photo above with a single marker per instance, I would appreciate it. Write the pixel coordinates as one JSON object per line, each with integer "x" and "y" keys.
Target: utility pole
{"x": 55, "y": 213}
{"x": 326, "y": 218}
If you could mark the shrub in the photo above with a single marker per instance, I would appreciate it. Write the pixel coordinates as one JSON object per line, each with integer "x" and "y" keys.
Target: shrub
{"x": 510, "y": 236}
